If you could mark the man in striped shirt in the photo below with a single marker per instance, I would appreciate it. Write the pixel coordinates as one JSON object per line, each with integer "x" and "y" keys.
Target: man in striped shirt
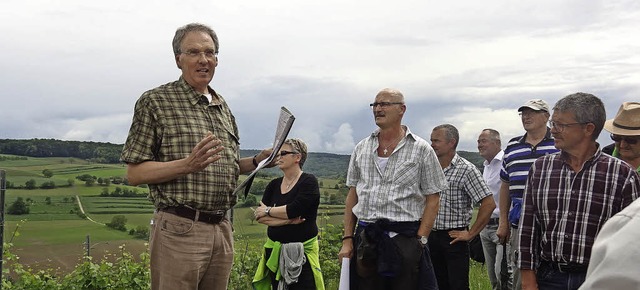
{"x": 520, "y": 153}
{"x": 569, "y": 196}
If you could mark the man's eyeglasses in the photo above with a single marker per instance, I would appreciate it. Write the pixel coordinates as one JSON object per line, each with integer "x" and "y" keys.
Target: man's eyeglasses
{"x": 629, "y": 139}
{"x": 194, "y": 53}
{"x": 529, "y": 113}
{"x": 384, "y": 104}
{"x": 559, "y": 127}
{"x": 285, "y": 153}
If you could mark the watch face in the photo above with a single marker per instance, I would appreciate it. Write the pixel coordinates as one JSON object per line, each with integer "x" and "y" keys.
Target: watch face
{"x": 424, "y": 240}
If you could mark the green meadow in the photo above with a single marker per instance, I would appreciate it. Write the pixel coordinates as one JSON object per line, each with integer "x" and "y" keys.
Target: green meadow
{"x": 53, "y": 235}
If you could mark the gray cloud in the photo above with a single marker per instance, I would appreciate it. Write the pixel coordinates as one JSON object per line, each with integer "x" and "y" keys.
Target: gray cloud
{"x": 74, "y": 70}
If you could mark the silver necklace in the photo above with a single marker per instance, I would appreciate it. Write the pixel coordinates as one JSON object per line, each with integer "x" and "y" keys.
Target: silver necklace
{"x": 385, "y": 151}
{"x": 291, "y": 182}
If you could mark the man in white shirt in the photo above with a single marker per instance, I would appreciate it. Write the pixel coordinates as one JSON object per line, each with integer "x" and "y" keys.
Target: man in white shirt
{"x": 489, "y": 147}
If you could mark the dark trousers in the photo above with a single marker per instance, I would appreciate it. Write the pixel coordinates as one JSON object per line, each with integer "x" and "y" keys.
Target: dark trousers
{"x": 549, "y": 278}
{"x": 305, "y": 280}
{"x": 407, "y": 278}
{"x": 450, "y": 261}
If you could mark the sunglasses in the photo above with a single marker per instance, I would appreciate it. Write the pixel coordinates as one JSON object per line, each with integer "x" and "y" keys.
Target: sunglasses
{"x": 629, "y": 139}
{"x": 285, "y": 153}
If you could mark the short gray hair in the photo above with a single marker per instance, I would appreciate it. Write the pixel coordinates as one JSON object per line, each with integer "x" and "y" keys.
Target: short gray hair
{"x": 182, "y": 31}
{"x": 451, "y": 132}
{"x": 587, "y": 108}
{"x": 494, "y": 134}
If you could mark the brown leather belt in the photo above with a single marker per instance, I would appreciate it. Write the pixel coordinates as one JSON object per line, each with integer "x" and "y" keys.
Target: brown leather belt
{"x": 205, "y": 217}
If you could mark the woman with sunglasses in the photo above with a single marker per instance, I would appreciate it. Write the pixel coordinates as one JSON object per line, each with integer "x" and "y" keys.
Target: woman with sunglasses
{"x": 625, "y": 132}
{"x": 289, "y": 208}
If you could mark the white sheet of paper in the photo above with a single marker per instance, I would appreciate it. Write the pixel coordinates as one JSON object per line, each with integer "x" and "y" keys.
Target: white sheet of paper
{"x": 344, "y": 275}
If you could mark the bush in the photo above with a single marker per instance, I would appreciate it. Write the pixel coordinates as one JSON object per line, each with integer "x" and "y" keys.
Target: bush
{"x": 124, "y": 273}
{"x": 18, "y": 207}
{"x": 118, "y": 222}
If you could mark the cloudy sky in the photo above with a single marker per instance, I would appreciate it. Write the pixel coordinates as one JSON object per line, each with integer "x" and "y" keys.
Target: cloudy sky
{"x": 73, "y": 69}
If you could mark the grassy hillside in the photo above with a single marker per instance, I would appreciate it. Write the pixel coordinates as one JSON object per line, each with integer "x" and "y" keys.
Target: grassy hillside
{"x": 53, "y": 235}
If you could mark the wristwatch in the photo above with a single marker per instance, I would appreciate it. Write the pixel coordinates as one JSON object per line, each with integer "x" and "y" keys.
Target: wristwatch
{"x": 267, "y": 210}
{"x": 423, "y": 240}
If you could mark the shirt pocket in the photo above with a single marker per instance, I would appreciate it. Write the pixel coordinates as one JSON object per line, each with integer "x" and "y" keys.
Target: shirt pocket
{"x": 406, "y": 173}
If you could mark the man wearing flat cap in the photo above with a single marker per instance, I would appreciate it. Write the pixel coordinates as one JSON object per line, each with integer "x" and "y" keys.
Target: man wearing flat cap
{"x": 625, "y": 131}
{"x": 519, "y": 155}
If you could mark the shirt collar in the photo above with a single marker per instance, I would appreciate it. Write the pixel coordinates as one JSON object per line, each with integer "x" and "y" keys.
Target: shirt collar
{"x": 547, "y": 136}
{"x": 407, "y": 132}
{"x": 194, "y": 97}
{"x": 497, "y": 158}
{"x": 595, "y": 156}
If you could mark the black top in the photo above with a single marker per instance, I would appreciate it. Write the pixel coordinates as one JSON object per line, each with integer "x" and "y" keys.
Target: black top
{"x": 301, "y": 200}
{"x": 609, "y": 148}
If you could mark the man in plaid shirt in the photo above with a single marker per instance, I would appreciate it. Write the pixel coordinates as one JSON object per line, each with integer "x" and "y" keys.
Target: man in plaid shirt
{"x": 184, "y": 144}
{"x": 569, "y": 196}
{"x": 448, "y": 243}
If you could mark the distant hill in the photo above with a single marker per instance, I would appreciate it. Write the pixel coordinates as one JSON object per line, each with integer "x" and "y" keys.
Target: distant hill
{"x": 320, "y": 164}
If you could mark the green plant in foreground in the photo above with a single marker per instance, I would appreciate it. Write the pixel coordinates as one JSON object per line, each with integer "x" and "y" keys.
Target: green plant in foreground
{"x": 123, "y": 273}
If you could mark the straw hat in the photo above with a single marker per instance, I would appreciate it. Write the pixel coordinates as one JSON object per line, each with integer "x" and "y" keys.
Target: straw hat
{"x": 627, "y": 120}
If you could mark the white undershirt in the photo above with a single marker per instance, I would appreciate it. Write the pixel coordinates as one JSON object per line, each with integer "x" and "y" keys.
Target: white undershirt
{"x": 382, "y": 162}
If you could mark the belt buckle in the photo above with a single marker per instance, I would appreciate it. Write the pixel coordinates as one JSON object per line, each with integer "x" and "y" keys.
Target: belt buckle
{"x": 562, "y": 267}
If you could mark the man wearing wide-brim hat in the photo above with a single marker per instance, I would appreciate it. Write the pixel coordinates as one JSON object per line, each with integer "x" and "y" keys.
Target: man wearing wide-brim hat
{"x": 625, "y": 131}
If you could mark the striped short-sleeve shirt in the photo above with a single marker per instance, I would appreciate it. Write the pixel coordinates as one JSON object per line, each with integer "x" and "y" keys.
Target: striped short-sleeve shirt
{"x": 167, "y": 124}
{"x": 517, "y": 160}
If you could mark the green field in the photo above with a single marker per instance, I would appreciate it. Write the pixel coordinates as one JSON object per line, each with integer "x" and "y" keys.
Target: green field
{"x": 53, "y": 236}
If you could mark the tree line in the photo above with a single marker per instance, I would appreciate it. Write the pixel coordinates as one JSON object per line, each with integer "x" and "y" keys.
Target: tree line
{"x": 98, "y": 152}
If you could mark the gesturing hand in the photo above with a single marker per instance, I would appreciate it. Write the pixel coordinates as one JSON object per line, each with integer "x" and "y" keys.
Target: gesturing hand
{"x": 204, "y": 153}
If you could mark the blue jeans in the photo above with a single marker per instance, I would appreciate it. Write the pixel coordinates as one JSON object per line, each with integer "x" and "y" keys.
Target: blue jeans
{"x": 549, "y": 278}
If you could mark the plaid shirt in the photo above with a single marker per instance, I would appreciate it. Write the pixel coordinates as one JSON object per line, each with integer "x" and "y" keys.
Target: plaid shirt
{"x": 466, "y": 186}
{"x": 564, "y": 210}
{"x": 168, "y": 122}
{"x": 398, "y": 193}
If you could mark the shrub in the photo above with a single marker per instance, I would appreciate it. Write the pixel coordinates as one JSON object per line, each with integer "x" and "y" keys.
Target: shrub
{"x": 18, "y": 207}
{"x": 118, "y": 222}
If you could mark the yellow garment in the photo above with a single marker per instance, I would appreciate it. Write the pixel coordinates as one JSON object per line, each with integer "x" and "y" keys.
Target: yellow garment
{"x": 261, "y": 280}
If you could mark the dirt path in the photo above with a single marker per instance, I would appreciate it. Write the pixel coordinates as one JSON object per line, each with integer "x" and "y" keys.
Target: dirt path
{"x": 84, "y": 213}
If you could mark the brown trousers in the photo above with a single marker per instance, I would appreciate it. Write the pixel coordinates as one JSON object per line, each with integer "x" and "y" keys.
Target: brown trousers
{"x": 189, "y": 255}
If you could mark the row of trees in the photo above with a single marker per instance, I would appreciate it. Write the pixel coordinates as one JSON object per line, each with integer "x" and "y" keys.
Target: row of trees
{"x": 122, "y": 192}
{"x": 98, "y": 152}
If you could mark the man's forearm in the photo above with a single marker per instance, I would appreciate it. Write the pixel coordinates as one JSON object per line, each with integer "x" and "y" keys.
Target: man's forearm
{"x": 432, "y": 204}
{"x": 528, "y": 278}
{"x": 487, "y": 205}
{"x": 155, "y": 172}
{"x": 349, "y": 219}
{"x": 505, "y": 202}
